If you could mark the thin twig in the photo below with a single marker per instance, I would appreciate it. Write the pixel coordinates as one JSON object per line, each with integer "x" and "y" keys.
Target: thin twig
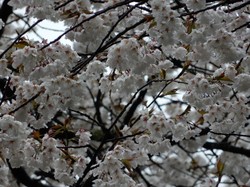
{"x": 19, "y": 36}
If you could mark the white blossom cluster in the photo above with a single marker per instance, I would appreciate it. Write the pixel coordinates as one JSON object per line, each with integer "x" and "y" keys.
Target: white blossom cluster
{"x": 147, "y": 95}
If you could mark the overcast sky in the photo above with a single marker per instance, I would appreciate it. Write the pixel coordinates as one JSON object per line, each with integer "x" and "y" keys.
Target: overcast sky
{"x": 50, "y": 31}
{"x": 46, "y": 29}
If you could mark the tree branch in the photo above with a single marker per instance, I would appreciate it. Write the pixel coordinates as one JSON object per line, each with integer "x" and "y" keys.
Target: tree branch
{"x": 5, "y": 12}
{"x": 226, "y": 147}
{"x": 134, "y": 106}
{"x": 19, "y": 36}
{"x": 22, "y": 177}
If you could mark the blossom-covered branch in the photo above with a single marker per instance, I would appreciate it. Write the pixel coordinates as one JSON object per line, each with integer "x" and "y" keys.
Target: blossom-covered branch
{"x": 149, "y": 93}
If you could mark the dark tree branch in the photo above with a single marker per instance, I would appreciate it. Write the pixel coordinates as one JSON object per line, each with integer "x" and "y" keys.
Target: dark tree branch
{"x": 7, "y": 93}
{"x": 63, "y": 4}
{"x": 19, "y": 37}
{"x": 22, "y": 177}
{"x": 138, "y": 170}
{"x": 97, "y": 104}
{"x": 5, "y": 12}
{"x": 24, "y": 104}
{"x": 227, "y": 147}
{"x": 215, "y": 6}
{"x": 134, "y": 106}
{"x": 123, "y": 137}
{"x": 109, "y": 43}
{"x": 247, "y": 24}
{"x": 80, "y": 181}
{"x": 238, "y": 7}
{"x": 88, "y": 19}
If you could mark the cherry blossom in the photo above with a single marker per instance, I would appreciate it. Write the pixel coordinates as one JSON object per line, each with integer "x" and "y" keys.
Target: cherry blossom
{"x": 149, "y": 93}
